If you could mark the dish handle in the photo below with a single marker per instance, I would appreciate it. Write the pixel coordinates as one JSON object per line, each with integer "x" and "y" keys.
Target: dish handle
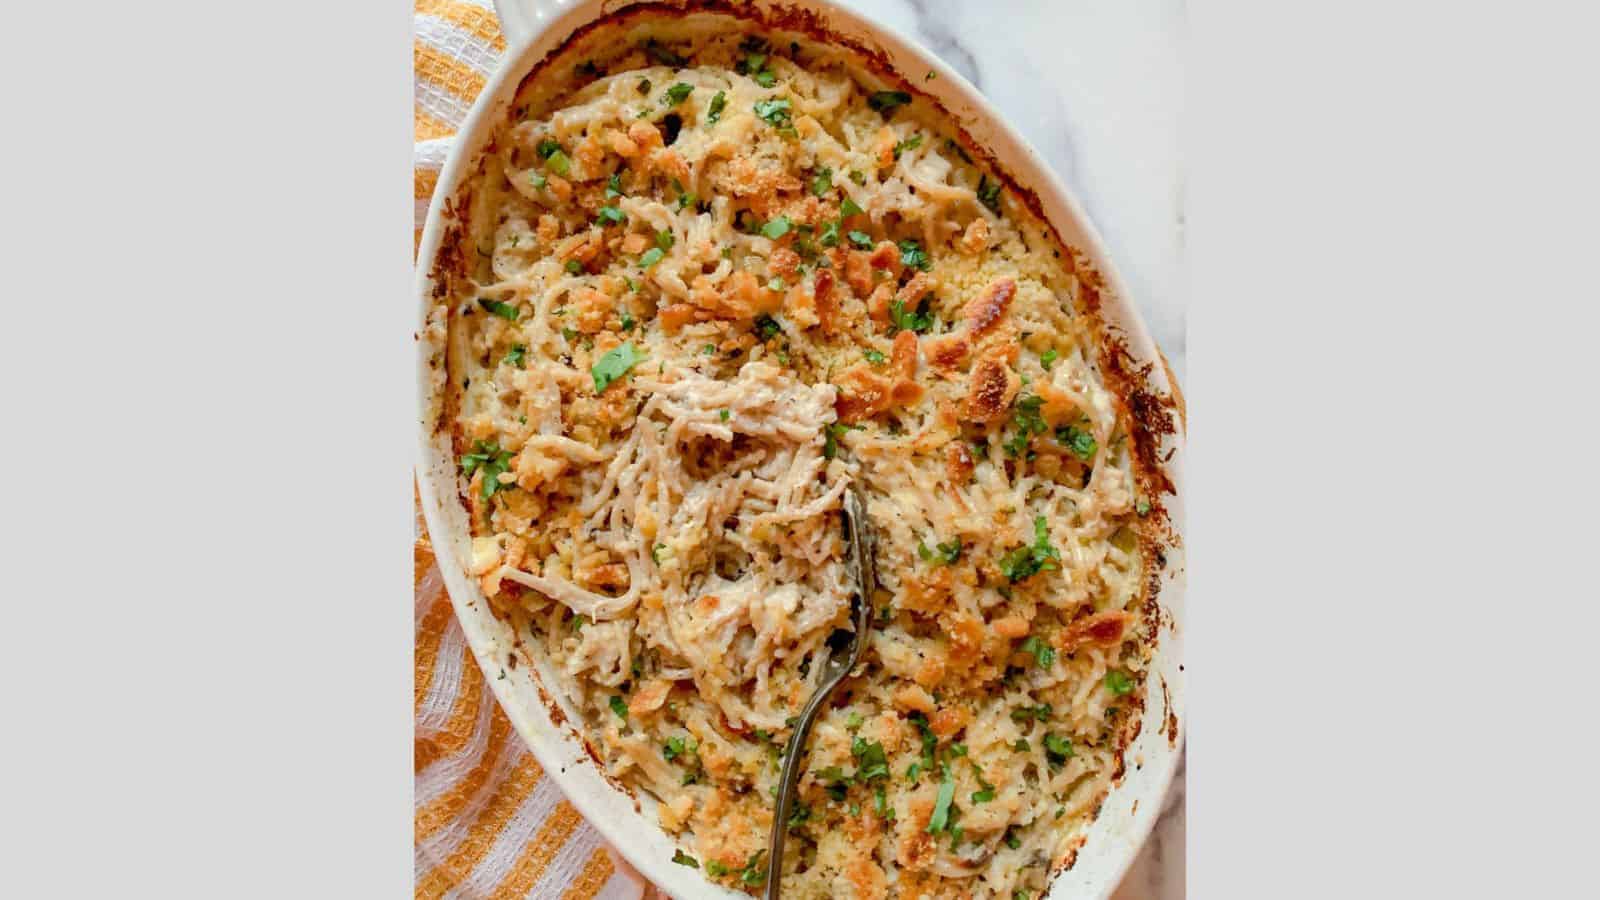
{"x": 521, "y": 19}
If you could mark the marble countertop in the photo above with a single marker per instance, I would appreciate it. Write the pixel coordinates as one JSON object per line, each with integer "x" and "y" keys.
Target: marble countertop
{"x": 1097, "y": 87}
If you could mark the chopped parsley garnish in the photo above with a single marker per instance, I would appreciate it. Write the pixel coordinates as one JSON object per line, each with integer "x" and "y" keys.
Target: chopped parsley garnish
{"x": 503, "y": 310}
{"x": 912, "y": 256}
{"x": 1080, "y": 442}
{"x": 488, "y": 456}
{"x": 754, "y": 873}
{"x": 715, "y": 868}
{"x": 822, "y": 182}
{"x": 709, "y": 349}
{"x": 677, "y": 94}
{"x": 1048, "y": 358}
{"x": 655, "y": 553}
{"x": 987, "y": 793}
{"x": 684, "y": 859}
{"x": 942, "y": 554}
{"x": 651, "y": 257}
{"x": 628, "y": 322}
{"x": 539, "y": 181}
{"x": 620, "y": 707}
{"x": 517, "y": 356}
{"x": 1118, "y": 682}
{"x": 662, "y": 55}
{"x": 871, "y": 762}
{"x": 722, "y": 414}
{"x": 665, "y": 240}
{"x": 1014, "y": 843}
{"x": 861, "y": 239}
{"x": 718, "y": 101}
{"x": 767, "y": 327}
{"x": 875, "y": 357}
{"x": 776, "y": 228}
{"x": 1044, "y": 656}
{"x": 687, "y": 200}
{"x": 850, "y": 208}
{"x": 858, "y": 176}
{"x": 880, "y": 803}
{"x": 1040, "y": 712}
{"x": 797, "y": 818}
{"x": 1027, "y": 561}
{"x": 559, "y": 163}
{"x": 610, "y": 215}
{"x": 1057, "y": 746}
{"x": 775, "y": 111}
{"x": 574, "y": 267}
{"x": 829, "y": 236}
{"x": 614, "y": 365}
{"x": 672, "y": 749}
{"x": 1142, "y": 507}
{"x": 547, "y": 148}
{"x": 989, "y": 194}
{"x": 910, "y": 143}
{"x": 941, "y": 806}
{"x": 1021, "y": 746}
{"x": 614, "y": 185}
{"x": 765, "y": 78}
{"x": 919, "y": 321}
{"x": 853, "y": 721}
{"x": 885, "y": 101}
{"x": 830, "y": 443}
{"x": 1028, "y": 422}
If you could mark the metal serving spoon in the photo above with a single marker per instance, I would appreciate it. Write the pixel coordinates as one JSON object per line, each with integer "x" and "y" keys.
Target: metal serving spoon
{"x": 843, "y": 656}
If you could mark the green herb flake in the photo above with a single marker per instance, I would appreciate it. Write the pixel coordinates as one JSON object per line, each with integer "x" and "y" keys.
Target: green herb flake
{"x": 614, "y": 365}
{"x": 716, "y": 869}
{"x": 775, "y": 111}
{"x": 1080, "y": 442}
{"x": 488, "y": 456}
{"x": 912, "y": 256}
{"x": 610, "y": 215}
{"x": 662, "y": 55}
{"x": 547, "y": 148}
{"x": 777, "y": 228}
{"x": 1048, "y": 358}
{"x": 875, "y": 357}
{"x": 858, "y": 176}
{"x": 910, "y": 143}
{"x": 1118, "y": 682}
{"x": 989, "y": 193}
{"x": 919, "y": 321}
{"x": 1057, "y": 746}
{"x": 684, "y": 859}
{"x": 539, "y": 181}
{"x": 558, "y": 163}
{"x": 850, "y": 208}
{"x": 718, "y": 101}
{"x": 1044, "y": 656}
{"x": 861, "y": 239}
{"x": 574, "y": 267}
{"x": 677, "y": 94}
{"x": 503, "y": 310}
{"x": 620, "y": 707}
{"x": 886, "y": 101}
{"x": 853, "y": 721}
{"x": 665, "y": 240}
{"x": 722, "y": 414}
{"x": 1142, "y": 507}
{"x": 822, "y": 182}
{"x": 517, "y": 356}
{"x": 651, "y": 257}
{"x": 829, "y": 236}
{"x": 941, "y": 806}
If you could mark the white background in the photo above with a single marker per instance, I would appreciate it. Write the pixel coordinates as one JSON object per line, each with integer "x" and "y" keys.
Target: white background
{"x": 1391, "y": 237}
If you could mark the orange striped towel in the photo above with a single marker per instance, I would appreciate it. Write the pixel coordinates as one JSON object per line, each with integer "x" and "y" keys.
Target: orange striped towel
{"x": 488, "y": 824}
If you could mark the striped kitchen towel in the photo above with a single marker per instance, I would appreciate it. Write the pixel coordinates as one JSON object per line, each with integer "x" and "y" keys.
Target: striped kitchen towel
{"x": 488, "y": 823}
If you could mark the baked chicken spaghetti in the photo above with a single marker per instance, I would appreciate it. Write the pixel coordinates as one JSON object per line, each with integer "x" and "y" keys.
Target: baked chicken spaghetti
{"x": 714, "y": 275}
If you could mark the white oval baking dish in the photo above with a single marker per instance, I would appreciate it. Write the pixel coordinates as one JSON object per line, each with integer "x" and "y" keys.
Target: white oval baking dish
{"x": 537, "y": 28}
